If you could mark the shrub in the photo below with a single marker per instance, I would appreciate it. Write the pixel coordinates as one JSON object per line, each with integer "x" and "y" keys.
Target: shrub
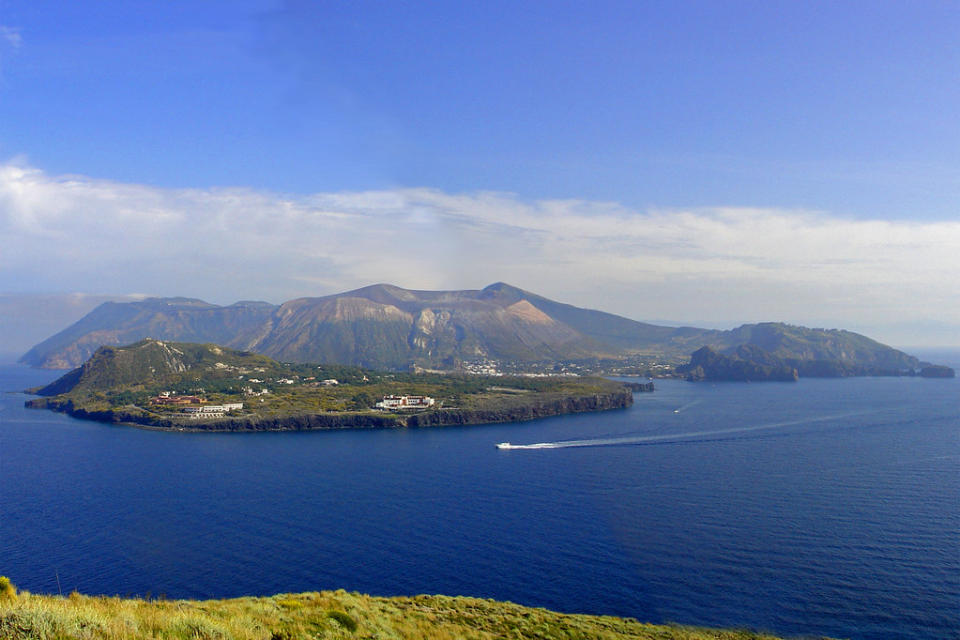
{"x": 7, "y": 590}
{"x": 344, "y": 619}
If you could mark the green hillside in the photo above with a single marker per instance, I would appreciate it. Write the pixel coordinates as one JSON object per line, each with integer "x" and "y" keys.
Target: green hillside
{"x": 149, "y": 363}
{"x": 316, "y": 616}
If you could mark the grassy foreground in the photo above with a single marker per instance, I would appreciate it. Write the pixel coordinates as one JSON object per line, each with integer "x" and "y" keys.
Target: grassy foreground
{"x": 327, "y": 614}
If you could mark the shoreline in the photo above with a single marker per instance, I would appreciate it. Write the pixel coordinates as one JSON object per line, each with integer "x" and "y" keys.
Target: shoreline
{"x": 543, "y": 408}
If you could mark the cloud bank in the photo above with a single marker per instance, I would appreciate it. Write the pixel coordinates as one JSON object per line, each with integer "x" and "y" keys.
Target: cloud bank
{"x": 709, "y": 267}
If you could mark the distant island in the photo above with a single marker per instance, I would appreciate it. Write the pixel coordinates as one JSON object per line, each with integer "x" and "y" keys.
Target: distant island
{"x": 205, "y": 387}
{"x": 498, "y": 329}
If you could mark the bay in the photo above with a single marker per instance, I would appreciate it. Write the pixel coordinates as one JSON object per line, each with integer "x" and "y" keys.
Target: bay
{"x": 823, "y": 507}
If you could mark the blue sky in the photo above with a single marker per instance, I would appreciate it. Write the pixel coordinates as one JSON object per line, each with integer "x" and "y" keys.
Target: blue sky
{"x": 723, "y": 125}
{"x": 849, "y": 107}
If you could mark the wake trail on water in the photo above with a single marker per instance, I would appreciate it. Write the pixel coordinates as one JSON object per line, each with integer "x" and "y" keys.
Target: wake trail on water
{"x": 688, "y": 405}
{"x": 678, "y": 437}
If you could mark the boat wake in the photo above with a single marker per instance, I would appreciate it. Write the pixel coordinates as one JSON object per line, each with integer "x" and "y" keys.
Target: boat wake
{"x": 688, "y": 405}
{"x": 677, "y": 437}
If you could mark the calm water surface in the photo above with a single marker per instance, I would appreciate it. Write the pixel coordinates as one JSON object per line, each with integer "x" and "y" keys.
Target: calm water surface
{"x": 823, "y": 507}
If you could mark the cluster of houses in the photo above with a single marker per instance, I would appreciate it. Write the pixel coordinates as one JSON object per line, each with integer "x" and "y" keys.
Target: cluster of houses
{"x": 329, "y": 382}
{"x": 194, "y": 406}
{"x": 401, "y": 403}
{"x": 481, "y": 368}
{"x": 169, "y": 399}
{"x": 250, "y": 391}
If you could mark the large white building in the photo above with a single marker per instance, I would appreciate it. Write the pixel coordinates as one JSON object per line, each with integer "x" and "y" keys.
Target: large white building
{"x": 401, "y": 403}
{"x": 212, "y": 410}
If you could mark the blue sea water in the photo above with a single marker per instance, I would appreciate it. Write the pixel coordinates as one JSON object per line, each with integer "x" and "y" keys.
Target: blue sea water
{"x": 823, "y": 507}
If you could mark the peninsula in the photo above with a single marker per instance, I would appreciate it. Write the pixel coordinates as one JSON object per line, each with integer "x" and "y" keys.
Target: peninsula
{"x": 206, "y": 387}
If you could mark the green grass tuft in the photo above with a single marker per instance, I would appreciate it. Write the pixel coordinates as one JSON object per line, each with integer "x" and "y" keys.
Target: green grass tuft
{"x": 344, "y": 619}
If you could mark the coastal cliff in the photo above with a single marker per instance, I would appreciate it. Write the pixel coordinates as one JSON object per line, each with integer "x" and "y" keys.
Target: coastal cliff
{"x": 542, "y": 408}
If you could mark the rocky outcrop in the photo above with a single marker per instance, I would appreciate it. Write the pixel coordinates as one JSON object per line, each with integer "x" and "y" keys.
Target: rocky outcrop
{"x": 747, "y": 363}
{"x": 937, "y": 371}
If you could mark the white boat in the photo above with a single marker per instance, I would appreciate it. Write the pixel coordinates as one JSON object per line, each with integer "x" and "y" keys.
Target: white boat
{"x": 503, "y": 445}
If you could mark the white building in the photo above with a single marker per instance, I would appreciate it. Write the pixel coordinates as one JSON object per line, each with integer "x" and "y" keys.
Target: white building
{"x": 401, "y": 403}
{"x": 212, "y": 410}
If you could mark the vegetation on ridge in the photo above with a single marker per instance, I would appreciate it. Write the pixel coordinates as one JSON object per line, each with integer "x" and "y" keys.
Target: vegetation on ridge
{"x": 317, "y": 615}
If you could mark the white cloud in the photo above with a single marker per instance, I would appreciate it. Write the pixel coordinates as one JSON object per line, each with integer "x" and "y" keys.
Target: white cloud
{"x": 11, "y": 36}
{"x": 706, "y": 266}
{"x": 10, "y": 41}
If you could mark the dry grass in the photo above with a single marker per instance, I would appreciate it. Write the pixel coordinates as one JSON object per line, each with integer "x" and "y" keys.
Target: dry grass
{"x": 329, "y": 614}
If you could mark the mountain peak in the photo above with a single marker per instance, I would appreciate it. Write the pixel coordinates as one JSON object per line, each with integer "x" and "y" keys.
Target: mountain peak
{"x": 503, "y": 293}
{"x": 501, "y": 286}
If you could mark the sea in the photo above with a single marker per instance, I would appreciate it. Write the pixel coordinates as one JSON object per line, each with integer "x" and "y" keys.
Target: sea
{"x": 822, "y": 507}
